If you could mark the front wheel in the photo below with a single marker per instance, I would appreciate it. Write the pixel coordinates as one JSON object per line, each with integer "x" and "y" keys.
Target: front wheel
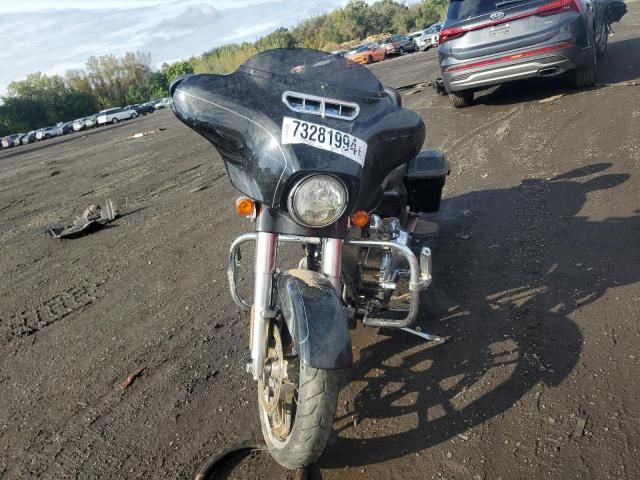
{"x": 297, "y": 403}
{"x": 114, "y": 121}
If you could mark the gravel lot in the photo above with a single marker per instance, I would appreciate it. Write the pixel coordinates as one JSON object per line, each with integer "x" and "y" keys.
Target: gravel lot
{"x": 537, "y": 268}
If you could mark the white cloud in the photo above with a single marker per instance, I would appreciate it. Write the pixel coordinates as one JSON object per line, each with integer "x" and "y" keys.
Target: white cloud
{"x": 54, "y": 36}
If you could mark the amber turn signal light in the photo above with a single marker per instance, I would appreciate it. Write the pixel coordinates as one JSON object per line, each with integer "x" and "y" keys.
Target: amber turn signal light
{"x": 245, "y": 206}
{"x": 360, "y": 218}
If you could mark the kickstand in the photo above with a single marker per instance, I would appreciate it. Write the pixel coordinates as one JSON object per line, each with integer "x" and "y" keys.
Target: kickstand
{"x": 427, "y": 336}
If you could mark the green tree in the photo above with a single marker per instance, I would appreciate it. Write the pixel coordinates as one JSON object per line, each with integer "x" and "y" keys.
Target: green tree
{"x": 19, "y": 114}
{"x": 158, "y": 85}
{"x": 173, "y": 70}
{"x": 281, "y": 38}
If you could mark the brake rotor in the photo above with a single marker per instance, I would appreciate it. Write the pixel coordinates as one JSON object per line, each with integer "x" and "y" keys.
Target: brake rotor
{"x": 275, "y": 366}
{"x": 276, "y": 394}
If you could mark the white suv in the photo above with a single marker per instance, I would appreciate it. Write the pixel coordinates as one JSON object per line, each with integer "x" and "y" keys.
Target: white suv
{"x": 114, "y": 115}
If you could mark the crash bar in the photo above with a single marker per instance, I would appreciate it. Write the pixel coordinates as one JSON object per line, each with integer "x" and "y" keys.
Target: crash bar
{"x": 419, "y": 272}
{"x": 234, "y": 260}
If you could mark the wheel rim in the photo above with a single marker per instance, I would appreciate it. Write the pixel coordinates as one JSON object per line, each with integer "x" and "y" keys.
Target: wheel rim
{"x": 278, "y": 391}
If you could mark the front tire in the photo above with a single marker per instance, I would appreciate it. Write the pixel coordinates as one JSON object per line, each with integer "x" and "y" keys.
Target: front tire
{"x": 298, "y": 428}
{"x": 462, "y": 98}
{"x": 114, "y": 121}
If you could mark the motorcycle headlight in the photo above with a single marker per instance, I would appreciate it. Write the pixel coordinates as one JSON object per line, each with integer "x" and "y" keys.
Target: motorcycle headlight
{"x": 318, "y": 201}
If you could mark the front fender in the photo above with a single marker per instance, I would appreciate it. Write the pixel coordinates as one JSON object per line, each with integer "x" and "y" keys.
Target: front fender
{"x": 315, "y": 318}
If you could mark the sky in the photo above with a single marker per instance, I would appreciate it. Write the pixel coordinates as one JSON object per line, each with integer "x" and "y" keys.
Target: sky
{"x": 53, "y": 36}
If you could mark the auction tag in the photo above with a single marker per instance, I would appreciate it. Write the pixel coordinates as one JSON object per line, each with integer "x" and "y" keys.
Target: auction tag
{"x": 318, "y": 136}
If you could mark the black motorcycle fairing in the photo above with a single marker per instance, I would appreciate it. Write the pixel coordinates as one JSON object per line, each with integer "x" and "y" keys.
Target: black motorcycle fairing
{"x": 315, "y": 318}
{"x": 242, "y": 113}
{"x": 270, "y": 220}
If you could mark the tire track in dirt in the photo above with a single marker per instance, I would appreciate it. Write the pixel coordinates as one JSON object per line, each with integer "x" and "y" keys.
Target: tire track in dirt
{"x": 35, "y": 318}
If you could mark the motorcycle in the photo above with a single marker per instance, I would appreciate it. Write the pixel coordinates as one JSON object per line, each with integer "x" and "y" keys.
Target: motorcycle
{"x": 327, "y": 158}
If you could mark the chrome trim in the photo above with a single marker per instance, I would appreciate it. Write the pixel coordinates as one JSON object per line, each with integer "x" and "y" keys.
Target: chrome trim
{"x": 425, "y": 267}
{"x": 322, "y": 110}
{"x": 233, "y": 267}
{"x": 296, "y": 187}
{"x": 417, "y": 281}
{"x": 265, "y": 265}
{"x": 332, "y": 261}
{"x": 234, "y": 262}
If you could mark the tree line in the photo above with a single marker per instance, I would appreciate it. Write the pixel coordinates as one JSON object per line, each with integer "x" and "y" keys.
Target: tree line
{"x": 108, "y": 81}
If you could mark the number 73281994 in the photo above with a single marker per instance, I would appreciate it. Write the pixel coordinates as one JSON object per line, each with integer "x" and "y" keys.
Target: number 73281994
{"x": 296, "y": 131}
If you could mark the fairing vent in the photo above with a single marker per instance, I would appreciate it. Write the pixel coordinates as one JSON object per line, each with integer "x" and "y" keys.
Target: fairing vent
{"x": 324, "y": 107}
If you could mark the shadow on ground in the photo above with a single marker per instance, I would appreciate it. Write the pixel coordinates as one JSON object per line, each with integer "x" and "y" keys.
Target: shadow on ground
{"x": 511, "y": 266}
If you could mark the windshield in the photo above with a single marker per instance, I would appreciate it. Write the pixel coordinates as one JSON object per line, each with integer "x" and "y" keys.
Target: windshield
{"x": 311, "y": 69}
{"x": 252, "y": 117}
{"x": 463, "y": 9}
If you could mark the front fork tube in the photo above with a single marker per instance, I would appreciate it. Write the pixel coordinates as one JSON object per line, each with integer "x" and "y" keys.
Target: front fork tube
{"x": 332, "y": 261}
{"x": 261, "y": 313}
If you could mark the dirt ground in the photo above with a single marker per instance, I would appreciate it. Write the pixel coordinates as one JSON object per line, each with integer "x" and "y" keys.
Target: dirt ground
{"x": 537, "y": 278}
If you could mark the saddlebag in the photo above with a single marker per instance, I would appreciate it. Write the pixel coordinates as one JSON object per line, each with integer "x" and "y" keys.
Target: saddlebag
{"x": 425, "y": 179}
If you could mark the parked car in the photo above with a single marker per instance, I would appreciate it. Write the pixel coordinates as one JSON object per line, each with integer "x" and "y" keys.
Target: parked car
{"x": 114, "y": 115}
{"x": 485, "y": 43}
{"x": 340, "y": 53}
{"x": 9, "y": 140}
{"x": 418, "y": 37}
{"x": 18, "y": 141}
{"x": 65, "y": 128}
{"x": 164, "y": 103}
{"x": 398, "y": 44}
{"x": 29, "y": 138}
{"x": 143, "y": 109}
{"x": 432, "y": 35}
{"x": 48, "y": 132}
{"x": 367, "y": 53}
{"x": 86, "y": 122}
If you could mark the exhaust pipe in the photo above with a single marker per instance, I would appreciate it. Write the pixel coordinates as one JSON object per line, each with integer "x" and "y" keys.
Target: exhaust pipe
{"x": 548, "y": 72}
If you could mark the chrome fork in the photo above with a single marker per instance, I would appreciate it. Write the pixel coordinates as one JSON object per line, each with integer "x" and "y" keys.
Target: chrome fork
{"x": 332, "y": 261}
{"x": 266, "y": 249}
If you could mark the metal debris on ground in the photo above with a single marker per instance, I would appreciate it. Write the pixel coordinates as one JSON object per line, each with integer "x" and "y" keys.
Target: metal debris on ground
{"x": 551, "y": 99}
{"x": 131, "y": 378}
{"x": 141, "y": 134}
{"x": 582, "y": 423}
{"x": 93, "y": 218}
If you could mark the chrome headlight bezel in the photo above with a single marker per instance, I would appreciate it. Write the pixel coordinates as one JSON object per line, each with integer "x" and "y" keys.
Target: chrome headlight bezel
{"x": 291, "y": 200}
